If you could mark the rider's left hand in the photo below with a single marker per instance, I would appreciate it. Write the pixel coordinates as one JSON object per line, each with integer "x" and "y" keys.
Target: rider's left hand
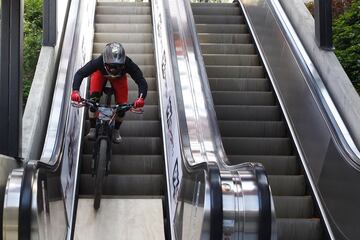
{"x": 139, "y": 103}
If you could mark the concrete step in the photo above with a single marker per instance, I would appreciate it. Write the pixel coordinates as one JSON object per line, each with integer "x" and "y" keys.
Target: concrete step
{"x": 129, "y": 164}
{"x": 124, "y": 10}
{"x": 257, "y": 146}
{"x": 248, "y": 113}
{"x": 274, "y": 165}
{"x": 235, "y": 71}
{"x": 222, "y": 28}
{"x": 252, "y": 128}
{"x": 219, "y": 19}
{"x": 211, "y": 48}
{"x": 223, "y": 38}
{"x": 123, "y": 38}
{"x": 139, "y": 184}
{"x": 215, "y": 10}
{"x": 123, "y": 28}
{"x": 299, "y": 229}
{"x": 243, "y": 98}
{"x": 293, "y": 206}
{"x": 129, "y": 19}
{"x": 287, "y": 185}
{"x": 239, "y": 84}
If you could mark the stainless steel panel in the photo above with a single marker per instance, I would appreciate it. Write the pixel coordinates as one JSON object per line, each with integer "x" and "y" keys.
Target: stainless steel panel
{"x": 324, "y": 144}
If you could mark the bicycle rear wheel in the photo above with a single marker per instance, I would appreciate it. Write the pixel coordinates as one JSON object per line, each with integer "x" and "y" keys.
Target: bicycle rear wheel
{"x": 100, "y": 172}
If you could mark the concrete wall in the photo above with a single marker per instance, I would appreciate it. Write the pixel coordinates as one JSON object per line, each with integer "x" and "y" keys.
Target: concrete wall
{"x": 337, "y": 82}
{"x": 37, "y": 108}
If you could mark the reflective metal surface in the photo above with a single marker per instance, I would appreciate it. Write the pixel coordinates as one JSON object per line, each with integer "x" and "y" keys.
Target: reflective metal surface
{"x": 328, "y": 154}
{"x": 185, "y": 92}
{"x": 11, "y": 205}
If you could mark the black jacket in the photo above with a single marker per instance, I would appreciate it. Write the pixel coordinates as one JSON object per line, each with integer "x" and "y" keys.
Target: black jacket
{"x": 97, "y": 64}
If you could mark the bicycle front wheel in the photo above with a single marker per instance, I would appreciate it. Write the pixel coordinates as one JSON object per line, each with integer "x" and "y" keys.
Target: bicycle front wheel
{"x": 100, "y": 172}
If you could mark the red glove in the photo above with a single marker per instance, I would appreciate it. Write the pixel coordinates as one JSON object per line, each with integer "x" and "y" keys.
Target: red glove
{"x": 139, "y": 103}
{"x": 75, "y": 96}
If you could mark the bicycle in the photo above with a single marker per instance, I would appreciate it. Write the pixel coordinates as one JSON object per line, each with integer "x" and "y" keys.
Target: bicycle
{"x": 105, "y": 121}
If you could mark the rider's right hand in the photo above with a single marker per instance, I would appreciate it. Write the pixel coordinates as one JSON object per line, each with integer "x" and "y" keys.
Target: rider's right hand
{"x": 75, "y": 96}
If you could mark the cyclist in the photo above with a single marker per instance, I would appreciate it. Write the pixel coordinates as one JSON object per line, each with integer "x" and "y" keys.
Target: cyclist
{"x": 112, "y": 65}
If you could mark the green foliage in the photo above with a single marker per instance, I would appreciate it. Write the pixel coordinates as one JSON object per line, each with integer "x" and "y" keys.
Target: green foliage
{"x": 32, "y": 41}
{"x": 346, "y": 31}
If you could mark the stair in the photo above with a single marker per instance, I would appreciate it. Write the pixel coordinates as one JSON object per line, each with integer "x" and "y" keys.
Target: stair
{"x": 249, "y": 117}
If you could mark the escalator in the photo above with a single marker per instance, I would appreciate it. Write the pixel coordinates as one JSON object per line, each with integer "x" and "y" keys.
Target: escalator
{"x": 135, "y": 185}
{"x": 249, "y": 116}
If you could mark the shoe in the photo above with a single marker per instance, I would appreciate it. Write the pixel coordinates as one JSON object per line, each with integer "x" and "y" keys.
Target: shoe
{"x": 116, "y": 136}
{"x": 92, "y": 134}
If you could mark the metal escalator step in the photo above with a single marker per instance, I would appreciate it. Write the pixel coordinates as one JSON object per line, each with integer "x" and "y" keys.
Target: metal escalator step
{"x": 123, "y": 28}
{"x": 222, "y": 28}
{"x": 129, "y": 164}
{"x": 293, "y": 206}
{"x": 219, "y": 19}
{"x": 239, "y": 84}
{"x": 151, "y": 112}
{"x": 124, "y": 38}
{"x": 252, "y": 128}
{"x": 129, "y": 146}
{"x": 235, "y": 71}
{"x": 152, "y": 97}
{"x": 299, "y": 229}
{"x": 136, "y": 128}
{"x": 257, "y": 146}
{"x": 215, "y": 10}
{"x": 211, "y": 48}
{"x": 124, "y": 10}
{"x": 231, "y": 59}
{"x": 130, "y": 19}
{"x": 148, "y": 184}
{"x": 274, "y": 165}
{"x": 123, "y": 4}
{"x": 243, "y": 98}
{"x": 248, "y": 113}
{"x": 203, "y": 4}
{"x": 151, "y": 81}
{"x": 287, "y": 185}
{"x": 130, "y": 48}
{"x": 223, "y": 38}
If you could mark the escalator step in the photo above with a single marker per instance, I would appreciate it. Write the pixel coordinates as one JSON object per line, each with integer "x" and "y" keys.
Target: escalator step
{"x": 129, "y": 164}
{"x": 125, "y": 184}
{"x": 248, "y": 113}
{"x": 287, "y": 185}
{"x": 239, "y": 84}
{"x": 124, "y": 10}
{"x": 123, "y": 4}
{"x": 274, "y": 165}
{"x": 131, "y": 19}
{"x": 299, "y": 229}
{"x": 124, "y": 38}
{"x": 214, "y": 48}
{"x": 235, "y": 71}
{"x": 123, "y": 28}
{"x": 152, "y": 97}
{"x": 243, "y": 98}
{"x": 225, "y": 38}
{"x": 231, "y": 60}
{"x": 222, "y": 28}
{"x": 257, "y": 146}
{"x": 219, "y": 19}
{"x": 132, "y": 145}
{"x": 293, "y": 206}
{"x": 252, "y": 128}
{"x": 214, "y": 10}
{"x": 223, "y": 5}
